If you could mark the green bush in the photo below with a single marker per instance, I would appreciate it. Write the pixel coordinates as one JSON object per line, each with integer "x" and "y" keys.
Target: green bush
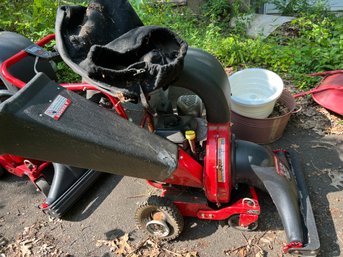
{"x": 16, "y": 16}
{"x": 316, "y": 44}
{"x": 32, "y": 18}
{"x": 300, "y": 7}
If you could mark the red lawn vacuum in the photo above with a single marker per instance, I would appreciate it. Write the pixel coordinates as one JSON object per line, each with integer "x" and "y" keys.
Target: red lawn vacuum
{"x": 183, "y": 144}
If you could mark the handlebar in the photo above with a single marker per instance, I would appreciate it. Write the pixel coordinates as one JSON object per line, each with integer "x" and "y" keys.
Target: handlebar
{"x": 18, "y": 57}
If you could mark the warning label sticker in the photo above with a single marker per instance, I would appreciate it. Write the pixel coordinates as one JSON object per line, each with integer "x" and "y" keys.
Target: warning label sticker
{"x": 221, "y": 160}
{"x": 57, "y": 107}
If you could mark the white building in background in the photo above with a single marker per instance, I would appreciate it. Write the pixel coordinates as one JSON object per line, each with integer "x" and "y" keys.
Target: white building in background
{"x": 334, "y": 5}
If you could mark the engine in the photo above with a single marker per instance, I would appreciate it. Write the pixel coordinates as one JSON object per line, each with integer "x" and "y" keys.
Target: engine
{"x": 179, "y": 116}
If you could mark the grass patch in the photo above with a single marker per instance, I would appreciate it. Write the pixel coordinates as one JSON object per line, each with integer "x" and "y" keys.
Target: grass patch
{"x": 315, "y": 44}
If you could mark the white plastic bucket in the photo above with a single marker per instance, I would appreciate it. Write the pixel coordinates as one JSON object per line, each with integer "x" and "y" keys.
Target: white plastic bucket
{"x": 254, "y": 92}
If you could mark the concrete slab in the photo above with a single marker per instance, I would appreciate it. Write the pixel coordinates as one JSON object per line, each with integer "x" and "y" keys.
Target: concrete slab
{"x": 261, "y": 25}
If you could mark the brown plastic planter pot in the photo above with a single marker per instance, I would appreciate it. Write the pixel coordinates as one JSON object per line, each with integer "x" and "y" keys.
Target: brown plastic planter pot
{"x": 263, "y": 131}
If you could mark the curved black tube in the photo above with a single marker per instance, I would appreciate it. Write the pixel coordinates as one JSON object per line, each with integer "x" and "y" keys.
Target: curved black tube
{"x": 64, "y": 177}
{"x": 254, "y": 165}
{"x": 204, "y": 75}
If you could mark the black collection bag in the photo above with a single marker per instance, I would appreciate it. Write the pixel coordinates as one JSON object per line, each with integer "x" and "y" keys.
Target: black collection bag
{"x": 107, "y": 43}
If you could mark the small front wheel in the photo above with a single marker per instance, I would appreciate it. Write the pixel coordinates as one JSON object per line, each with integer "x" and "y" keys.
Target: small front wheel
{"x": 43, "y": 186}
{"x": 233, "y": 222}
{"x": 159, "y": 218}
{"x": 2, "y": 171}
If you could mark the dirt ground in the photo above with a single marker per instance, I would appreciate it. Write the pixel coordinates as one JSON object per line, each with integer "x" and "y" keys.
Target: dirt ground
{"x": 102, "y": 222}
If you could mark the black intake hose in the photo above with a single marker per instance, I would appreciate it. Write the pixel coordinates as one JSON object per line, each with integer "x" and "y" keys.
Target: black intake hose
{"x": 64, "y": 177}
{"x": 44, "y": 121}
{"x": 254, "y": 165}
{"x": 204, "y": 75}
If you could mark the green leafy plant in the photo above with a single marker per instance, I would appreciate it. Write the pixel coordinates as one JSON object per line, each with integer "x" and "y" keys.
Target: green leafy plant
{"x": 16, "y": 15}
{"x": 300, "y": 7}
{"x": 315, "y": 44}
{"x": 217, "y": 9}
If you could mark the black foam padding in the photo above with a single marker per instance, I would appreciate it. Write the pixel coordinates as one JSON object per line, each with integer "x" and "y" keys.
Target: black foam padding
{"x": 85, "y": 136}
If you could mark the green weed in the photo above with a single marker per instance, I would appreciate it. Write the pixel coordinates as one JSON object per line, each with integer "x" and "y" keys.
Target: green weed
{"x": 315, "y": 44}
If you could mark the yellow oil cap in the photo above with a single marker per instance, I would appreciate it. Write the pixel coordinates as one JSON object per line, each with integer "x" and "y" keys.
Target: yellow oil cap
{"x": 190, "y": 134}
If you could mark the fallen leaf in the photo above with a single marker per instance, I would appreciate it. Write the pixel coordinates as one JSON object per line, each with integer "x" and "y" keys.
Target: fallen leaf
{"x": 295, "y": 146}
{"x": 242, "y": 251}
{"x": 33, "y": 242}
{"x": 336, "y": 179}
{"x": 154, "y": 252}
{"x": 260, "y": 253}
{"x": 123, "y": 247}
{"x": 191, "y": 254}
{"x": 268, "y": 240}
{"x": 25, "y": 247}
{"x": 100, "y": 243}
{"x": 321, "y": 146}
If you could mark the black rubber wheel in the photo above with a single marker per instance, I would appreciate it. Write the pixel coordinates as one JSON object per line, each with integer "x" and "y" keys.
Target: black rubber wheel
{"x": 159, "y": 218}
{"x": 233, "y": 222}
{"x": 43, "y": 186}
{"x": 2, "y": 171}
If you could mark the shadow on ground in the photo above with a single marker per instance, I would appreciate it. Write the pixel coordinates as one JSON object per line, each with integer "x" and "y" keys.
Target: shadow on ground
{"x": 93, "y": 198}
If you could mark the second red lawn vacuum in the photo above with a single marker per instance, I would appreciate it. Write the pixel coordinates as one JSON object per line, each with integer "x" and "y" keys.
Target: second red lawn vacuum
{"x": 193, "y": 158}
{"x": 329, "y": 92}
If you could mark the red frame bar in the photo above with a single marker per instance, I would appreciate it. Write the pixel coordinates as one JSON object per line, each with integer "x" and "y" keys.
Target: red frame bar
{"x": 16, "y": 58}
{"x": 226, "y": 212}
{"x": 248, "y": 212}
{"x": 16, "y": 165}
